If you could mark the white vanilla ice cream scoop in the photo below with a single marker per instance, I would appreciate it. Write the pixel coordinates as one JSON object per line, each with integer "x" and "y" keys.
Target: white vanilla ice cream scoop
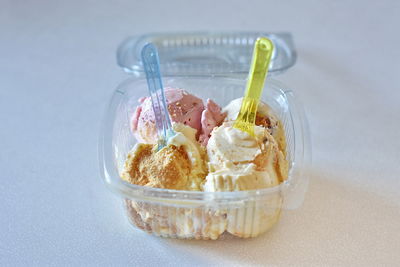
{"x": 237, "y": 162}
{"x": 266, "y": 117}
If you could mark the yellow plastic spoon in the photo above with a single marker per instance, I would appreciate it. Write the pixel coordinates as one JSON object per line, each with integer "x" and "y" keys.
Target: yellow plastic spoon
{"x": 246, "y": 118}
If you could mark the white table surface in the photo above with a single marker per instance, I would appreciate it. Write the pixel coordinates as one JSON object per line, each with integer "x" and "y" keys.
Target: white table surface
{"x": 58, "y": 70}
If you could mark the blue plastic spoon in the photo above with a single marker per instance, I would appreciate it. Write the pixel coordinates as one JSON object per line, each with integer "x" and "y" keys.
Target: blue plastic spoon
{"x": 151, "y": 64}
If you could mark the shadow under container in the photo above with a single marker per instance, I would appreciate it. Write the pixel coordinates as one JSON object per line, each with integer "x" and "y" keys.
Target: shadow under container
{"x": 194, "y": 214}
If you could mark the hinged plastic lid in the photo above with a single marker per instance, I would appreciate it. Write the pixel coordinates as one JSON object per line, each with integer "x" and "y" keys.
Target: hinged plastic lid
{"x": 206, "y": 53}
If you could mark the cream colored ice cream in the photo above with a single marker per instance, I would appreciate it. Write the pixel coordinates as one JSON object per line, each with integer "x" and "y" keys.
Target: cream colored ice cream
{"x": 265, "y": 117}
{"x": 179, "y": 221}
{"x": 238, "y": 161}
{"x": 186, "y": 138}
{"x": 179, "y": 165}
{"x": 238, "y": 178}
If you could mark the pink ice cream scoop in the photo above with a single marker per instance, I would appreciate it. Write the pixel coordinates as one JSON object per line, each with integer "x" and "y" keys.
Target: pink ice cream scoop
{"x": 211, "y": 117}
{"x": 182, "y": 107}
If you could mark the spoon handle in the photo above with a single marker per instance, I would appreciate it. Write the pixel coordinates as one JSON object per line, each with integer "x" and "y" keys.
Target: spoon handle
{"x": 262, "y": 52}
{"x": 151, "y": 64}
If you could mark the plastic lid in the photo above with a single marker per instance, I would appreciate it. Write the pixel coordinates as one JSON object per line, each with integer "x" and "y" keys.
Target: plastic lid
{"x": 205, "y": 53}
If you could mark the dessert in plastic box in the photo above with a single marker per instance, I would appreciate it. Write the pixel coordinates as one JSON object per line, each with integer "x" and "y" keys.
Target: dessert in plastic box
{"x": 210, "y": 178}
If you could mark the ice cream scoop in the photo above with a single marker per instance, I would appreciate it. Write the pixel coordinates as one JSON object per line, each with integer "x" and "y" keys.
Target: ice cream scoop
{"x": 239, "y": 161}
{"x": 179, "y": 165}
{"x": 182, "y": 108}
{"x": 265, "y": 117}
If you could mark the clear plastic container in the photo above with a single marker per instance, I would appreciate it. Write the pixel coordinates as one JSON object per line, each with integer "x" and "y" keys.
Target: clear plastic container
{"x": 194, "y": 214}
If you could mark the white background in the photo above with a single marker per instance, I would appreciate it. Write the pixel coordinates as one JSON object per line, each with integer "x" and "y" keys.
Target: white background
{"x": 58, "y": 70}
